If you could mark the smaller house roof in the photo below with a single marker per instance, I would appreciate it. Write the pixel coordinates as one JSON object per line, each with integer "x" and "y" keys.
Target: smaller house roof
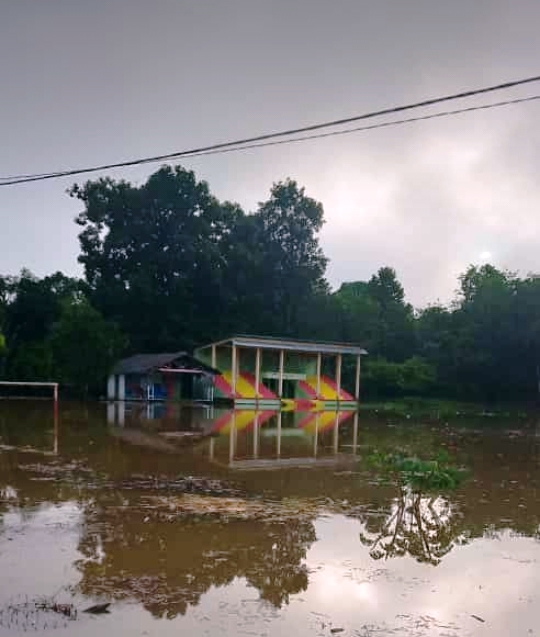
{"x": 289, "y": 344}
{"x": 143, "y": 363}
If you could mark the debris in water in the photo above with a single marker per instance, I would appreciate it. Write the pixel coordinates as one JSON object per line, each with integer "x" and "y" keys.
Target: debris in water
{"x": 98, "y": 609}
{"x": 68, "y": 610}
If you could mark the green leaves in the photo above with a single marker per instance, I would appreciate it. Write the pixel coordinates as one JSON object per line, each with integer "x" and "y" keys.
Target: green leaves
{"x": 84, "y": 347}
{"x": 421, "y": 475}
{"x": 175, "y": 267}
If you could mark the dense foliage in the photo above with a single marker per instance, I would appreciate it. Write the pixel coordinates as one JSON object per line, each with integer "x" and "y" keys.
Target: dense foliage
{"x": 168, "y": 266}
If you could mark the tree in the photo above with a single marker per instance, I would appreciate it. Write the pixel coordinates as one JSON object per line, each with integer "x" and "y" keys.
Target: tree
{"x": 154, "y": 255}
{"x": 84, "y": 347}
{"x": 291, "y": 263}
{"x": 31, "y": 306}
{"x": 357, "y": 314}
{"x": 395, "y": 337}
{"x": 413, "y": 377}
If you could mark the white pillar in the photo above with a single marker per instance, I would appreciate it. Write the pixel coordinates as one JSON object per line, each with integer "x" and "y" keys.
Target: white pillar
{"x": 319, "y": 365}
{"x": 256, "y": 436}
{"x": 280, "y": 377}
{"x": 121, "y": 414}
{"x": 121, "y": 387}
{"x": 257, "y": 371}
{"x": 336, "y": 433}
{"x": 357, "y": 380}
{"x": 316, "y": 436}
{"x": 213, "y": 360}
{"x": 234, "y": 370}
{"x": 111, "y": 414}
{"x": 111, "y": 387}
{"x": 338, "y": 376}
{"x": 232, "y": 433}
{"x": 278, "y": 450}
{"x": 55, "y": 431}
{"x": 355, "y": 433}
{"x": 211, "y": 449}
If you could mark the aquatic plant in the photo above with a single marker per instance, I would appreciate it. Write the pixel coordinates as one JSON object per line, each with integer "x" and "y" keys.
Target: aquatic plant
{"x": 438, "y": 474}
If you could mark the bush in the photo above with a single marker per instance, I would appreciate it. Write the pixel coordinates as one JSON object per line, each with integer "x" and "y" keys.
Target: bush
{"x": 382, "y": 378}
{"x": 420, "y": 475}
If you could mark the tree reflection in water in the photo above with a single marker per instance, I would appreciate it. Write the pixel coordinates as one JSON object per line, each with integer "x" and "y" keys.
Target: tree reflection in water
{"x": 168, "y": 565}
{"x": 423, "y": 526}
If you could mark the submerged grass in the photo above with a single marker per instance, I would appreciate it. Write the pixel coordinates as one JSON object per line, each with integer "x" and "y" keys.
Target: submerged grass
{"x": 438, "y": 409}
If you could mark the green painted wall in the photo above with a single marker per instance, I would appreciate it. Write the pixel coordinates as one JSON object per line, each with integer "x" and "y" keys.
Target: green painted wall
{"x": 294, "y": 363}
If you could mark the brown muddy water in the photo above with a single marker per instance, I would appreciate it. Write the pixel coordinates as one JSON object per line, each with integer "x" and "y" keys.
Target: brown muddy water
{"x": 262, "y": 525}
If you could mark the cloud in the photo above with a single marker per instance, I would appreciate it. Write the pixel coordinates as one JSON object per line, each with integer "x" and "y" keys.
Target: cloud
{"x": 427, "y": 198}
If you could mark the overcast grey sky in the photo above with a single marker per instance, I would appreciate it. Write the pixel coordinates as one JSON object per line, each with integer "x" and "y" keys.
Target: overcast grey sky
{"x": 90, "y": 82}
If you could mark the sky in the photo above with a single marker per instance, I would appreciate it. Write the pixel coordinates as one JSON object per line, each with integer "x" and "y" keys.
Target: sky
{"x": 87, "y": 83}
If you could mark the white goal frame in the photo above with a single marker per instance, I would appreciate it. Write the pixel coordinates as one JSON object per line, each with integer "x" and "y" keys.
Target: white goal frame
{"x": 12, "y": 383}
{"x": 54, "y": 386}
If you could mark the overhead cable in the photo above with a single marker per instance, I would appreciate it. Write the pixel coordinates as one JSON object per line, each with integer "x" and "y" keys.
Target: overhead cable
{"x": 253, "y": 142}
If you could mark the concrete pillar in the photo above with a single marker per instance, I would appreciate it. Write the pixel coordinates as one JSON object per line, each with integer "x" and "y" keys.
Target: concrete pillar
{"x": 111, "y": 387}
{"x": 121, "y": 414}
{"x": 316, "y": 436}
{"x": 121, "y": 387}
{"x": 357, "y": 380}
{"x": 211, "y": 449}
{"x": 355, "y": 434}
{"x": 257, "y": 371}
{"x": 232, "y": 436}
{"x": 213, "y": 360}
{"x": 338, "y": 376}
{"x": 256, "y": 436}
{"x": 234, "y": 370}
{"x": 278, "y": 449}
{"x": 280, "y": 377}
{"x": 336, "y": 433}
{"x": 319, "y": 365}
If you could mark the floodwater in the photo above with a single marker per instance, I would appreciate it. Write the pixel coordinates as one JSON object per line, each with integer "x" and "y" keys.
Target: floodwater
{"x": 201, "y": 522}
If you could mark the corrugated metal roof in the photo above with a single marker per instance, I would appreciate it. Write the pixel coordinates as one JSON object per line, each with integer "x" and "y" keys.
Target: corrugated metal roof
{"x": 293, "y": 345}
{"x": 141, "y": 363}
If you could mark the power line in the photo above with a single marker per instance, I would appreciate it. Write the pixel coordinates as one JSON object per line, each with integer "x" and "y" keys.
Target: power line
{"x": 397, "y": 122}
{"x": 7, "y": 181}
{"x": 217, "y": 151}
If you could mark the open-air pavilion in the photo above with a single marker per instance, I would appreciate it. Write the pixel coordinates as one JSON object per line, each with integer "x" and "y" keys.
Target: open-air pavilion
{"x": 270, "y": 372}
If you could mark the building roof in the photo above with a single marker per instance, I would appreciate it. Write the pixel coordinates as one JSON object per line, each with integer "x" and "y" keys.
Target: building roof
{"x": 288, "y": 344}
{"x": 142, "y": 363}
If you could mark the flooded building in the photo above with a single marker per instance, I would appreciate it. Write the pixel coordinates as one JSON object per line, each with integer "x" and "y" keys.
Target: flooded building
{"x": 272, "y": 372}
{"x": 175, "y": 376}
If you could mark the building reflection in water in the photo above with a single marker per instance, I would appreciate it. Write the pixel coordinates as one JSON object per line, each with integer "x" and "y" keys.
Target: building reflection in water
{"x": 265, "y": 439}
{"x": 246, "y": 439}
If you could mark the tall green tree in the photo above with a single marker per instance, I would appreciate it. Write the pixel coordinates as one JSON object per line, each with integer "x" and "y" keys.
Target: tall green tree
{"x": 395, "y": 338}
{"x": 291, "y": 263}
{"x": 84, "y": 347}
{"x": 31, "y": 306}
{"x": 153, "y": 255}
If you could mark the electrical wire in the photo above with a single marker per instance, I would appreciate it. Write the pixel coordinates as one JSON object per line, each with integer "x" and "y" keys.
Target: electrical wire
{"x": 357, "y": 129}
{"x": 252, "y": 142}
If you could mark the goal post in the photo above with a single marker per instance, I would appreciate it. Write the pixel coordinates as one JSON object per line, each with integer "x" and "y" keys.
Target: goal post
{"x": 11, "y": 383}
{"x": 53, "y": 388}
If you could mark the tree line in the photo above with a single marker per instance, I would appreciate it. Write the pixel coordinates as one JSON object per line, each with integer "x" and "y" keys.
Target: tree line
{"x": 167, "y": 266}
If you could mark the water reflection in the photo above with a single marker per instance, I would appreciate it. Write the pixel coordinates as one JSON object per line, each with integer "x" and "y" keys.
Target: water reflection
{"x": 166, "y": 565}
{"x": 422, "y": 526}
{"x": 259, "y": 440}
{"x": 169, "y": 509}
